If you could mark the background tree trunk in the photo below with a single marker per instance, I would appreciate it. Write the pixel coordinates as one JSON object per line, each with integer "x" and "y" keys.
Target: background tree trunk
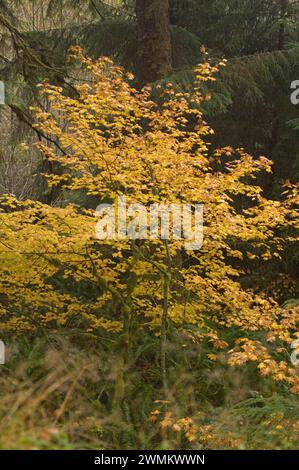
{"x": 154, "y": 39}
{"x": 282, "y": 27}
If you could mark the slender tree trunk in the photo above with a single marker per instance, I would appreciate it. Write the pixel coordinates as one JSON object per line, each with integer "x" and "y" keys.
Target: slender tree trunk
{"x": 164, "y": 334}
{"x": 282, "y": 28}
{"x": 154, "y": 40}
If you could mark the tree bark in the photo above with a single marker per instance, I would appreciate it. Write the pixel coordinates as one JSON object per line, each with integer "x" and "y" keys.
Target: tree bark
{"x": 164, "y": 334}
{"x": 282, "y": 28}
{"x": 154, "y": 40}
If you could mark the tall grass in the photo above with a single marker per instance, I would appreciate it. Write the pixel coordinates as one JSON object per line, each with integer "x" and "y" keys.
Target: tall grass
{"x": 57, "y": 393}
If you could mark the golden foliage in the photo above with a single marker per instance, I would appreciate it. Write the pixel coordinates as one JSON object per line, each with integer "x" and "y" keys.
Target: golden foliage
{"x": 117, "y": 141}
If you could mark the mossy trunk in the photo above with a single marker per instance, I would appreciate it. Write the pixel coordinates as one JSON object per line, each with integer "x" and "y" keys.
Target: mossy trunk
{"x": 154, "y": 40}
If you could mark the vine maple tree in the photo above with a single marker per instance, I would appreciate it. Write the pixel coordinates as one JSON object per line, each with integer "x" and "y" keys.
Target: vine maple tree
{"x": 114, "y": 140}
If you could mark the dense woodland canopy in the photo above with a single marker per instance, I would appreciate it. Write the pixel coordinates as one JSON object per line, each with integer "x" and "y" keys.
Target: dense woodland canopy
{"x": 125, "y": 344}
